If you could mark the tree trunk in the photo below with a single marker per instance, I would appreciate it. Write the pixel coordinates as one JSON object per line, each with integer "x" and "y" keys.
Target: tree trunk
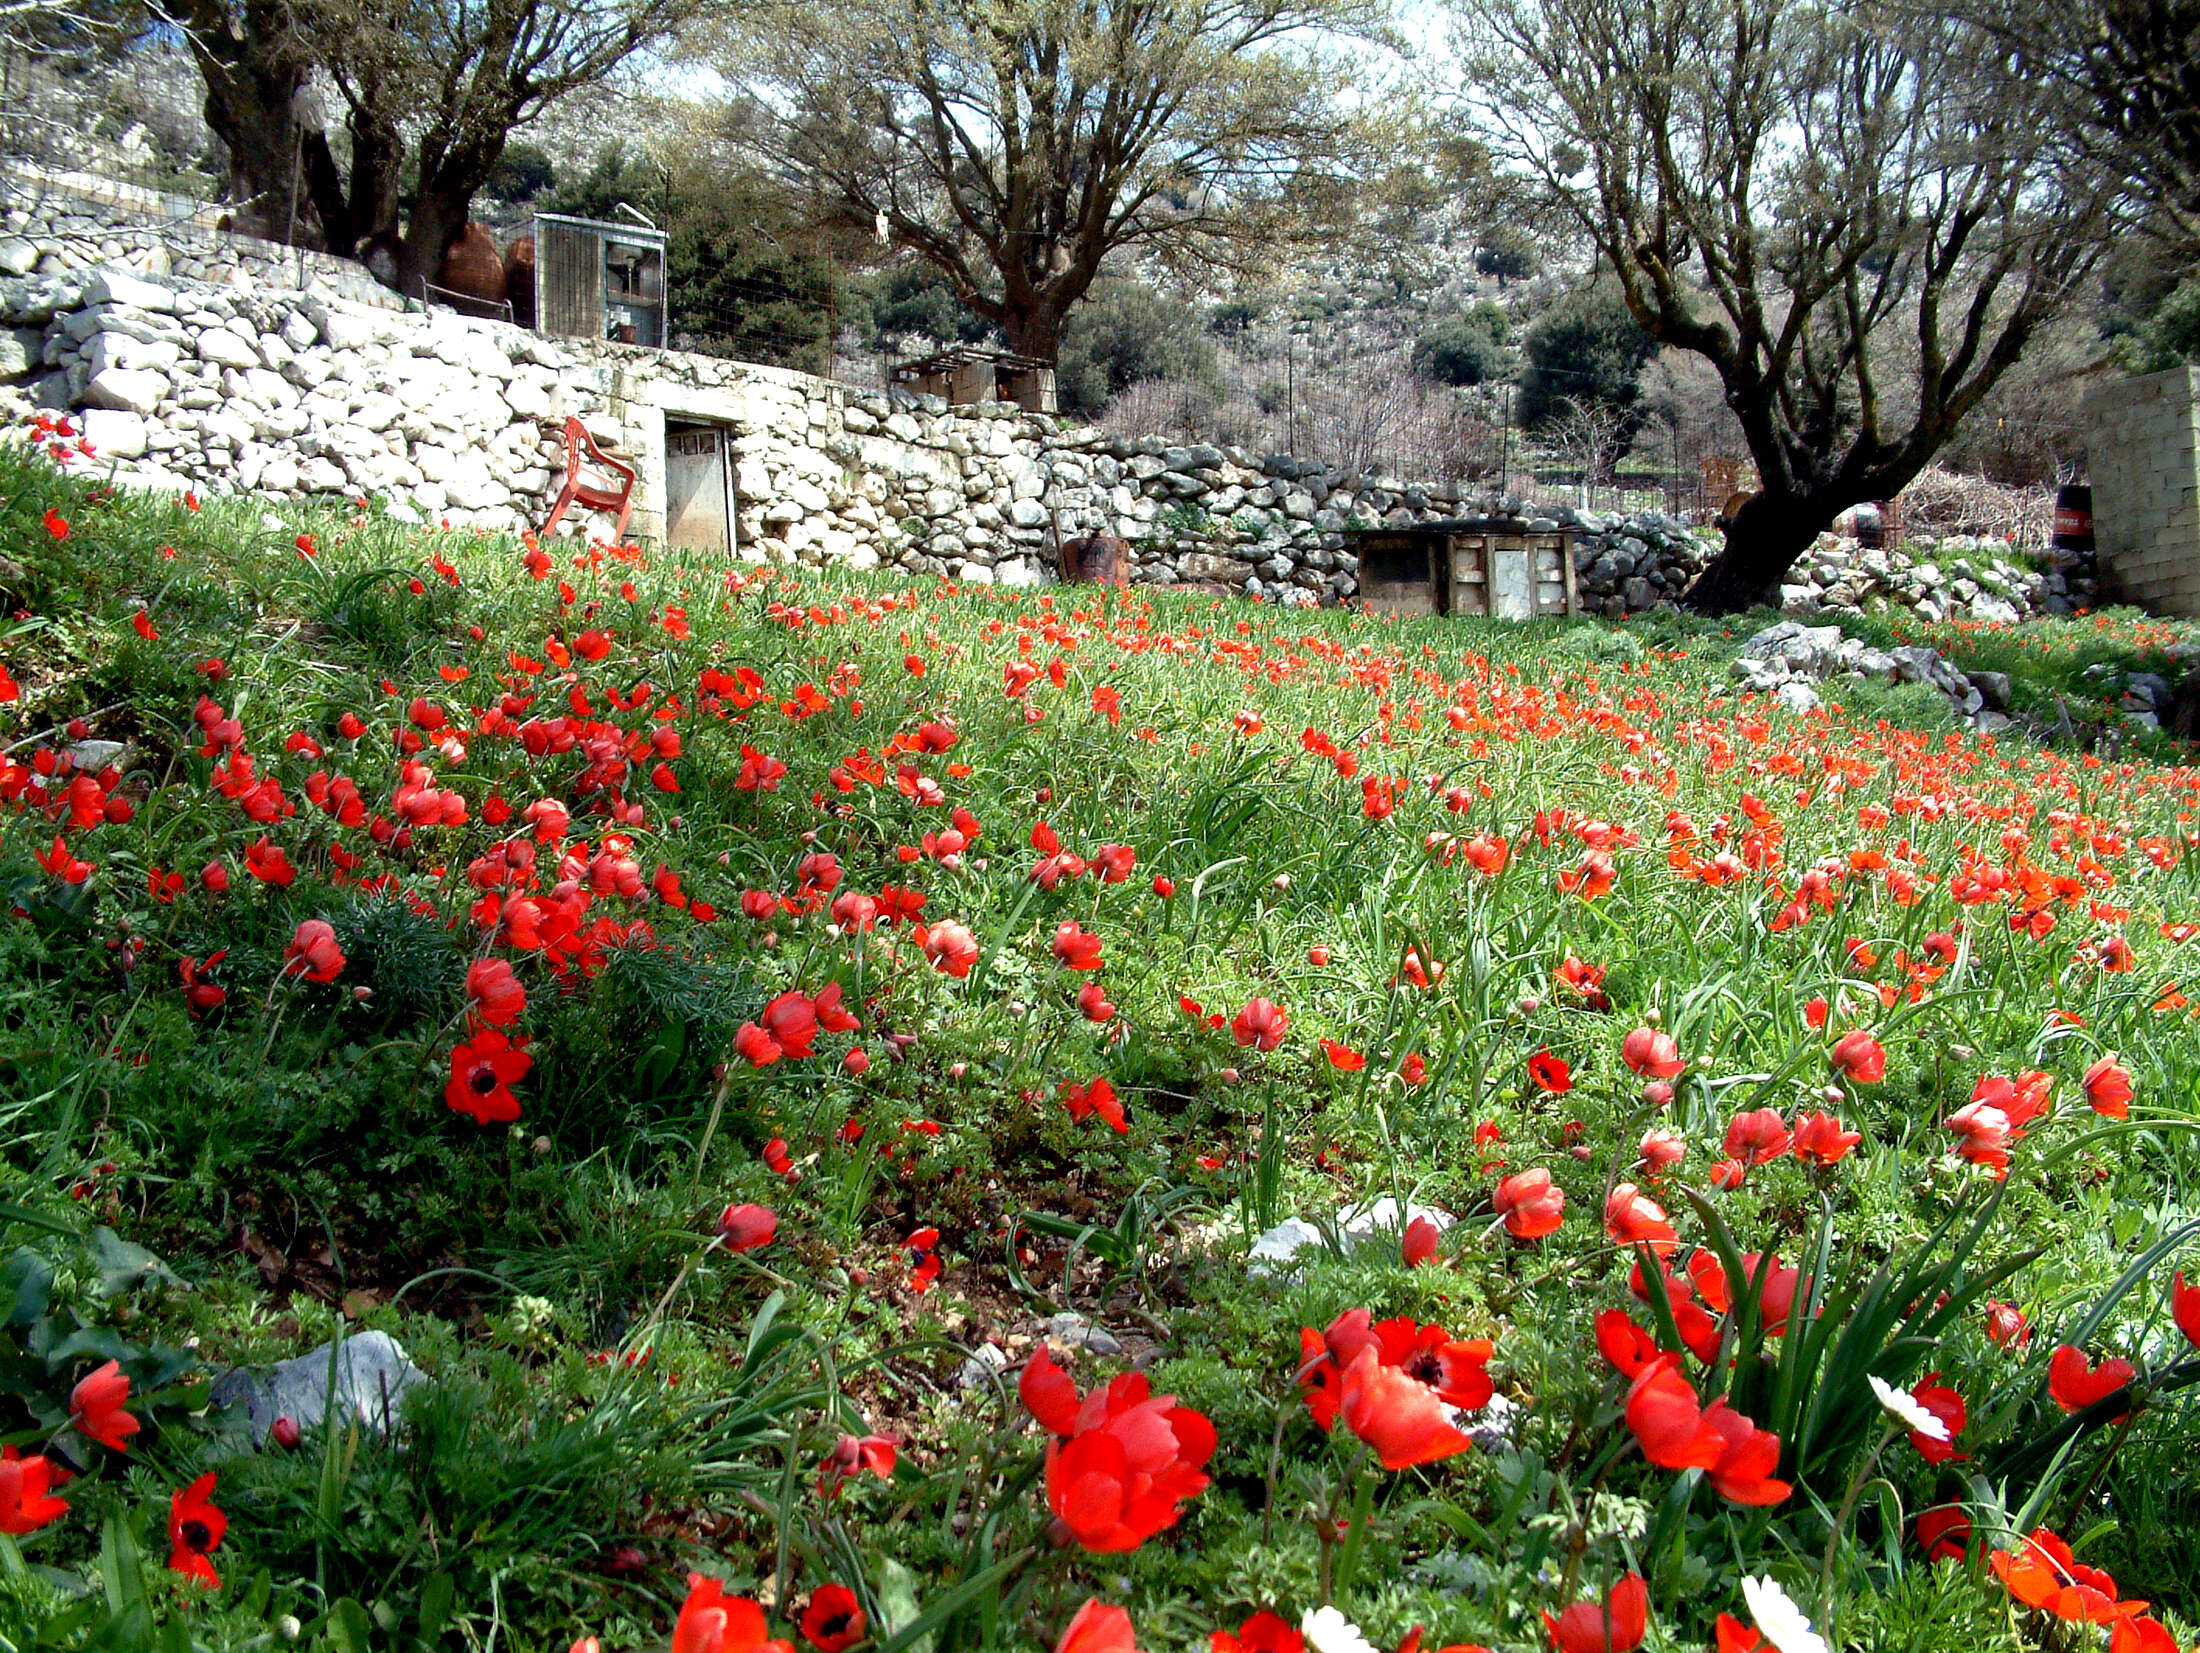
{"x": 438, "y": 215}
{"x": 453, "y": 168}
{"x": 1036, "y": 332}
{"x": 1763, "y": 541}
{"x": 252, "y": 80}
{"x": 364, "y": 208}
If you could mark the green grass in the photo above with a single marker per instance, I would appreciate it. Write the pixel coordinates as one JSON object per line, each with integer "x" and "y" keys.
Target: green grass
{"x": 290, "y": 1158}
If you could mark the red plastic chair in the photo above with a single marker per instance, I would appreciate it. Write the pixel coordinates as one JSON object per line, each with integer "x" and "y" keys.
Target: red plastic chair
{"x": 593, "y": 495}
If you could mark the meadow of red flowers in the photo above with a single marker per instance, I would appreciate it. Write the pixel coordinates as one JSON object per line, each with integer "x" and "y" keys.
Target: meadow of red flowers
{"x": 908, "y": 1118}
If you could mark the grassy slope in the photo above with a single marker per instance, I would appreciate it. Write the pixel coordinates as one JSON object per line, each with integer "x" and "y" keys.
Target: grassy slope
{"x": 292, "y": 1150}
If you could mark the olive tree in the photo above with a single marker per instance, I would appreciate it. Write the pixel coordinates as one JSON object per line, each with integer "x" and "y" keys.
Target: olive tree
{"x": 1016, "y": 145}
{"x": 1855, "y": 211}
{"x": 430, "y": 91}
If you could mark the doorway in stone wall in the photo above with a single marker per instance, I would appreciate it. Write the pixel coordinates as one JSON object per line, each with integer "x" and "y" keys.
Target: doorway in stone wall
{"x": 699, "y": 502}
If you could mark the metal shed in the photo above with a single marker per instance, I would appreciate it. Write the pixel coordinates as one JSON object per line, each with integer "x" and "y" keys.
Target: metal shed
{"x": 1497, "y": 566}
{"x": 599, "y": 280}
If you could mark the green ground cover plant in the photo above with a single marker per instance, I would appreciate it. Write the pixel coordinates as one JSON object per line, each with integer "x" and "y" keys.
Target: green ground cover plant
{"x": 815, "y": 1070}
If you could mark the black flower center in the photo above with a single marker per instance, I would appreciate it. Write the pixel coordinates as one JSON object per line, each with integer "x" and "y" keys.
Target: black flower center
{"x": 483, "y": 1081}
{"x": 198, "y": 1538}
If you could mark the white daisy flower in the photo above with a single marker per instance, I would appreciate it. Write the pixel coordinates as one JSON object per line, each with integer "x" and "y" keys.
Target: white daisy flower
{"x": 1779, "y": 1620}
{"x": 1328, "y": 1631}
{"x": 1903, "y": 1407}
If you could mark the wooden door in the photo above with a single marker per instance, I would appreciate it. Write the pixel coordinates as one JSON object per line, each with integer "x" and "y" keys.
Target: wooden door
{"x": 698, "y": 489}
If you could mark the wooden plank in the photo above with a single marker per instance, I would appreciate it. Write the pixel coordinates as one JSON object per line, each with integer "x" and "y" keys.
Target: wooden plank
{"x": 568, "y": 282}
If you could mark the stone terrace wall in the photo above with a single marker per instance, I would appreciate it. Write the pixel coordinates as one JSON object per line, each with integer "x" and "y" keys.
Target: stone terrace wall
{"x": 57, "y": 225}
{"x": 290, "y": 393}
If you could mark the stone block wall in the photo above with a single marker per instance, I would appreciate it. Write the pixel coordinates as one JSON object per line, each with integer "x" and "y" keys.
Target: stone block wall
{"x": 286, "y": 391}
{"x": 290, "y": 393}
{"x": 2143, "y": 450}
{"x": 59, "y": 226}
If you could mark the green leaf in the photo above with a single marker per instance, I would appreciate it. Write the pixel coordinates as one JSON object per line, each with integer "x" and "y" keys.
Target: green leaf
{"x": 126, "y": 1267}
{"x": 435, "y": 1607}
{"x": 897, "y": 1602}
{"x": 348, "y": 1626}
{"x": 26, "y": 1288}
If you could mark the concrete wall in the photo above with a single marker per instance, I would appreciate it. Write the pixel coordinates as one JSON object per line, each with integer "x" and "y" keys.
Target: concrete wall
{"x": 2143, "y": 449}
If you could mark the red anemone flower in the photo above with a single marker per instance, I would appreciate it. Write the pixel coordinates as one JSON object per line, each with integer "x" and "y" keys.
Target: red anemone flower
{"x": 195, "y": 1529}
{"x": 2184, "y": 1308}
{"x": 2006, "y": 1326}
{"x": 483, "y": 1071}
{"x": 1419, "y": 1242}
{"x": 96, "y": 1407}
{"x": 1821, "y": 1139}
{"x": 1076, "y": 948}
{"x": 833, "y": 1621}
{"x": 1616, "y": 1626}
{"x": 1098, "y": 1628}
{"x": 1630, "y": 1350}
{"x": 2074, "y": 1383}
{"x": 1531, "y": 1204}
{"x": 1947, "y": 1405}
{"x": 1676, "y": 1434}
{"x": 1264, "y": 1632}
{"x": 2043, "y": 1573}
{"x": 1550, "y": 1074}
{"x": 1343, "y": 1057}
{"x": 1944, "y": 1532}
{"x": 313, "y": 953}
{"x": 26, "y": 1497}
{"x": 747, "y": 1227}
{"x": 1261, "y": 1024}
{"x": 1096, "y": 1096}
{"x": 710, "y": 1621}
{"x": 852, "y": 1455}
{"x": 1632, "y": 1217}
{"x": 2107, "y": 1085}
{"x": 1130, "y": 1459}
{"x": 494, "y": 993}
{"x": 1403, "y": 1419}
{"x": 1860, "y": 1058}
{"x": 950, "y": 946}
{"x": 1651, "y": 1053}
{"x": 1758, "y": 1138}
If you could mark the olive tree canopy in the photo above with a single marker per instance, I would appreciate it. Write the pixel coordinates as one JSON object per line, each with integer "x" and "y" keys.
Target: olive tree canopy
{"x": 1856, "y": 211}
{"x": 430, "y": 92}
{"x": 1016, "y": 144}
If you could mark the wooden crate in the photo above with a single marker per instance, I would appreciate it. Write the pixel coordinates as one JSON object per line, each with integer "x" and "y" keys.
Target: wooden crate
{"x": 1468, "y": 566}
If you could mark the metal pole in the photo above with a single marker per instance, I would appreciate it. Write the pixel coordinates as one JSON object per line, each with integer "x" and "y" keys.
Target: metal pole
{"x": 1504, "y": 445}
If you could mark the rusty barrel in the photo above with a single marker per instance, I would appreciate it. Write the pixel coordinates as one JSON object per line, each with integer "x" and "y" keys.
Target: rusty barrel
{"x": 2074, "y": 517}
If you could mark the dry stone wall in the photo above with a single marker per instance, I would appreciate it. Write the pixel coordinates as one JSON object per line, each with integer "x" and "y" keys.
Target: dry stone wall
{"x": 294, "y": 393}
{"x": 69, "y": 224}
{"x": 288, "y": 393}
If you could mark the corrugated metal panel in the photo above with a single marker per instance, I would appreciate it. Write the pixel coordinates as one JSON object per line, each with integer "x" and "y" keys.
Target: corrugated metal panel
{"x": 568, "y": 281}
